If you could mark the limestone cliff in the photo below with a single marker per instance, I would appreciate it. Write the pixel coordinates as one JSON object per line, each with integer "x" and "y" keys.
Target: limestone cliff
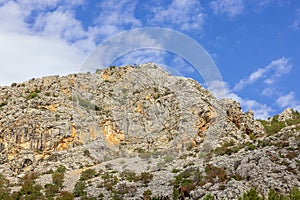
{"x": 142, "y": 115}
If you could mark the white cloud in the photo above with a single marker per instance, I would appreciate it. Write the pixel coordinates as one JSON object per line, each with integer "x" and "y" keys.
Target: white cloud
{"x": 114, "y": 16}
{"x": 63, "y": 24}
{"x": 184, "y": 15}
{"x": 285, "y": 100}
{"x": 288, "y": 100}
{"x": 270, "y": 91}
{"x": 52, "y": 42}
{"x": 269, "y": 73}
{"x": 266, "y": 3}
{"x": 227, "y": 7}
{"x": 296, "y": 23}
{"x": 35, "y": 57}
{"x": 11, "y": 17}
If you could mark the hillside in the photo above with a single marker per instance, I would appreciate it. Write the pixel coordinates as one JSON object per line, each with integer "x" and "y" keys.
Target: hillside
{"x": 139, "y": 132}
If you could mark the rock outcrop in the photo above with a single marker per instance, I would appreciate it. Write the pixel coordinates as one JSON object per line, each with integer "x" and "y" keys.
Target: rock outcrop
{"x": 140, "y": 119}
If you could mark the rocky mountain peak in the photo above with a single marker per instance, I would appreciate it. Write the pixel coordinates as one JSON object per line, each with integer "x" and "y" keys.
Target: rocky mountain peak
{"x": 125, "y": 131}
{"x": 287, "y": 114}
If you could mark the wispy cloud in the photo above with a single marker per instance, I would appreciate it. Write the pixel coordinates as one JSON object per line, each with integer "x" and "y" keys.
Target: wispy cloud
{"x": 115, "y": 16}
{"x": 261, "y": 111}
{"x": 184, "y": 15}
{"x": 296, "y": 23}
{"x": 227, "y": 7}
{"x": 288, "y": 100}
{"x": 266, "y": 3}
{"x": 268, "y": 74}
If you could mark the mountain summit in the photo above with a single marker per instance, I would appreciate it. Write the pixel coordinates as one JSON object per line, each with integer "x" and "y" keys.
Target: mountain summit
{"x": 139, "y": 132}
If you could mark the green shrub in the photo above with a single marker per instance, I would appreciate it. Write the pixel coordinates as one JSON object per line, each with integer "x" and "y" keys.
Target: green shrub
{"x": 250, "y": 146}
{"x": 209, "y": 197}
{"x": 61, "y": 169}
{"x": 295, "y": 194}
{"x": 175, "y": 193}
{"x": 4, "y": 191}
{"x": 186, "y": 182}
{"x": 168, "y": 158}
{"x": 227, "y": 148}
{"x": 87, "y": 174}
{"x": 146, "y": 177}
{"x": 29, "y": 189}
{"x": 58, "y": 179}
{"x": 274, "y": 125}
{"x": 85, "y": 103}
{"x": 79, "y": 189}
{"x": 51, "y": 190}
{"x": 251, "y": 195}
{"x": 125, "y": 189}
{"x": 215, "y": 172}
{"x": 175, "y": 170}
{"x": 129, "y": 175}
{"x": 101, "y": 196}
{"x": 147, "y": 194}
{"x": 273, "y": 195}
{"x": 86, "y": 153}
{"x": 64, "y": 195}
{"x": 32, "y": 96}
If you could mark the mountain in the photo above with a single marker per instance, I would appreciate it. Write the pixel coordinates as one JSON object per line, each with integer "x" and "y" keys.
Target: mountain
{"x": 138, "y": 132}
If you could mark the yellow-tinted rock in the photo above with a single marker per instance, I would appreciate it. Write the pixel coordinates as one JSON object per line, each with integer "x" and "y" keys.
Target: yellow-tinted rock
{"x": 148, "y": 97}
{"x": 111, "y": 132}
{"x": 66, "y": 91}
{"x": 25, "y": 145}
{"x": 52, "y": 108}
{"x": 139, "y": 108}
{"x": 65, "y": 143}
{"x": 105, "y": 76}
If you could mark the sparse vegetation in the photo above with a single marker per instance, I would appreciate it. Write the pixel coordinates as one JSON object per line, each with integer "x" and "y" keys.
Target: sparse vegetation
{"x": 87, "y": 174}
{"x": 32, "y": 96}
{"x": 147, "y": 194}
{"x": 175, "y": 170}
{"x": 145, "y": 178}
{"x": 79, "y": 189}
{"x": 209, "y": 197}
{"x": 29, "y": 144}
{"x": 86, "y": 153}
{"x": 214, "y": 173}
{"x": 84, "y": 103}
{"x": 227, "y": 148}
{"x": 185, "y": 182}
{"x": 64, "y": 195}
{"x": 273, "y": 126}
{"x": 129, "y": 175}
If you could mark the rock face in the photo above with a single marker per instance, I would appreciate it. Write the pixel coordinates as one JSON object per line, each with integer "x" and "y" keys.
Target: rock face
{"x": 286, "y": 115}
{"x": 142, "y": 108}
{"x": 115, "y": 117}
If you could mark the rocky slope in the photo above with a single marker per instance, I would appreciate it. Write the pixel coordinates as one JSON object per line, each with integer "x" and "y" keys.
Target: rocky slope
{"x": 138, "y": 132}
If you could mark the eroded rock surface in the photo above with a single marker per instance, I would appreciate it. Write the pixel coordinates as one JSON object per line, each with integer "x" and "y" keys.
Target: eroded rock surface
{"x": 144, "y": 120}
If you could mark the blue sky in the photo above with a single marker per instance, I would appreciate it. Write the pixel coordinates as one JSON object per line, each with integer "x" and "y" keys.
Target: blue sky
{"x": 254, "y": 43}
